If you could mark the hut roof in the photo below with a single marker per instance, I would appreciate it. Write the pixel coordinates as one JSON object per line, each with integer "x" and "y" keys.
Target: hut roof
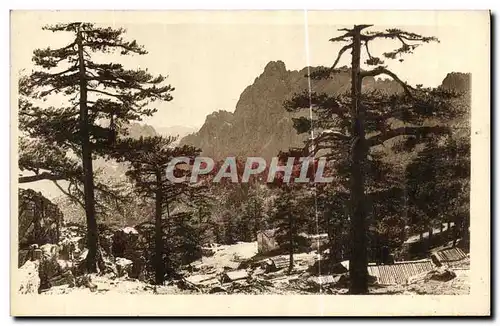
{"x": 235, "y": 275}
{"x": 450, "y": 255}
{"x": 280, "y": 262}
{"x": 399, "y": 272}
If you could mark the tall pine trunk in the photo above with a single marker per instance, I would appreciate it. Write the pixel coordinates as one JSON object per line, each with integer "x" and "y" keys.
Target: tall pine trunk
{"x": 358, "y": 258}
{"x": 158, "y": 258}
{"x": 167, "y": 244}
{"x": 291, "y": 235}
{"x": 431, "y": 234}
{"x": 88, "y": 173}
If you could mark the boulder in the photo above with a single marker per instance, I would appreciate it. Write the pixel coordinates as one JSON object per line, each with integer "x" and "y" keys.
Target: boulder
{"x": 54, "y": 271}
{"x": 50, "y": 251}
{"x": 217, "y": 289}
{"x": 123, "y": 266}
{"x": 71, "y": 248}
{"x": 443, "y": 275}
{"x": 62, "y": 279}
{"x": 24, "y": 255}
{"x": 127, "y": 243}
{"x": 39, "y": 219}
{"x": 49, "y": 265}
{"x": 234, "y": 276}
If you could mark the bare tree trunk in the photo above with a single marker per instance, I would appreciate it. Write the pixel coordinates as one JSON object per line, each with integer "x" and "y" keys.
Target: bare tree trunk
{"x": 358, "y": 258}
{"x": 88, "y": 173}
{"x": 158, "y": 258}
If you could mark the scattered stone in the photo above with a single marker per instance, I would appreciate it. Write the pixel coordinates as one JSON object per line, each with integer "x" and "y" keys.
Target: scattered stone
{"x": 207, "y": 251}
{"x": 217, "y": 289}
{"x": 29, "y": 280}
{"x": 417, "y": 278}
{"x": 86, "y": 281}
{"x": 326, "y": 280}
{"x": 184, "y": 284}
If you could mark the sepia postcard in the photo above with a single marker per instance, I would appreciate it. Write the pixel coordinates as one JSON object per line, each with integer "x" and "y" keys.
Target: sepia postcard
{"x": 250, "y": 163}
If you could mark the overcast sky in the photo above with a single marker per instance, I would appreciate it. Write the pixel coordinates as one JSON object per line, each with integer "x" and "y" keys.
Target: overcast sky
{"x": 210, "y": 57}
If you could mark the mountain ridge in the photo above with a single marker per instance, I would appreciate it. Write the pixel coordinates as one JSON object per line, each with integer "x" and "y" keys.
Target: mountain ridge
{"x": 260, "y": 126}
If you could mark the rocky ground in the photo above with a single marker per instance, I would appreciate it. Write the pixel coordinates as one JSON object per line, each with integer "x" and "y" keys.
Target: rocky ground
{"x": 223, "y": 269}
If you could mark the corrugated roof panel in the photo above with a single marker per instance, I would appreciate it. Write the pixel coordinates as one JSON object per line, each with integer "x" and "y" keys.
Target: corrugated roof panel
{"x": 280, "y": 262}
{"x": 449, "y": 255}
{"x": 400, "y": 271}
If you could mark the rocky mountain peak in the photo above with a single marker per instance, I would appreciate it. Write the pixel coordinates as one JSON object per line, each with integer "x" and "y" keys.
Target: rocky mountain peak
{"x": 457, "y": 81}
{"x": 275, "y": 68}
{"x": 260, "y": 125}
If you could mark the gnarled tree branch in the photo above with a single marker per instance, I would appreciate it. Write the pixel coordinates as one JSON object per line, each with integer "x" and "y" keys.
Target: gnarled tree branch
{"x": 382, "y": 70}
{"x": 405, "y": 131}
{"x": 41, "y": 176}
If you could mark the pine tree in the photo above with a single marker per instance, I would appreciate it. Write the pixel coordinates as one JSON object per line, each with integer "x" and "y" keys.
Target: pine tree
{"x": 252, "y": 214}
{"x": 290, "y": 219}
{"x": 438, "y": 178}
{"x": 181, "y": 242}
{"x": 291, "y": 212}
{"x": 149, "y": 158}
{"x": 201, "y": 204}
{"x": 354, "y": 127}
{"x": 334, "y": 220}
{"x": 99, "y": 98}
{"x": 439, "y": 186}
